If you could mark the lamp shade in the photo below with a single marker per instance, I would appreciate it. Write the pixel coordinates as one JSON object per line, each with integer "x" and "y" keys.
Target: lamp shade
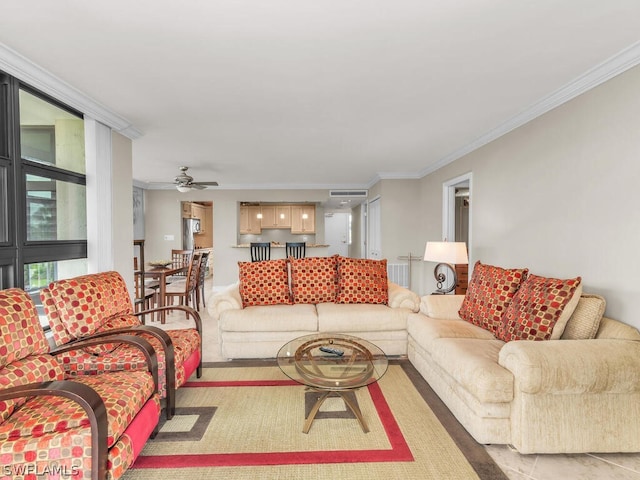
{"x": 183, "y": 188}
{"x": 446, "y": 252}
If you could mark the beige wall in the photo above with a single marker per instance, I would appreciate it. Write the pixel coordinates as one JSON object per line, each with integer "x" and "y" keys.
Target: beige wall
{"x": 401, "y": 212}
{"x": 558, "y": 195}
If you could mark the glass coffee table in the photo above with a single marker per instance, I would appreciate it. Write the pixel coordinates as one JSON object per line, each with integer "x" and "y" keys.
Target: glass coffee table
{"x": 335, "y": 365}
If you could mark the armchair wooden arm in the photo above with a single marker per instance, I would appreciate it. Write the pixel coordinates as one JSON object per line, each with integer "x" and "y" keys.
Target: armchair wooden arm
{"x": 191, "y": 313}
{"x": 90, "y": 402}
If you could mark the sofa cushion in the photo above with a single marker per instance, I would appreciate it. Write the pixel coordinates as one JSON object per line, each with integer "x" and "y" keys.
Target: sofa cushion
{"x": 473, "y": 363}
{"x": 361, "y": 317}
{"x": 490, "y": 291}
{"x": 585, "y": 320}
{"x": 21, "y": 342}
{"x": 272, "y": 318}
{"x": 124, "y": 394}
{"x": 84, "y": 303}
{"x": 441, "y": 306}
{"x": 314, "y": 279}
{"x": 362, "y": 280}
{"x": 424, "y": 330}
{"x": 31, "y": 369}
{"x": 264, "y": 283}
{"x": 536, "y": 307}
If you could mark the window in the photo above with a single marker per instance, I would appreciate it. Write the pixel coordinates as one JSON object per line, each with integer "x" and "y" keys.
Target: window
{"x": 56, "y": 210}
{"x": 43, "y": 219}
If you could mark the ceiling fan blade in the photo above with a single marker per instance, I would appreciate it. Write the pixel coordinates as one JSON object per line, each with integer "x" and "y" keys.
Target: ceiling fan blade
{"x": 210, "y": 184}
{"x": 196, "y": 186}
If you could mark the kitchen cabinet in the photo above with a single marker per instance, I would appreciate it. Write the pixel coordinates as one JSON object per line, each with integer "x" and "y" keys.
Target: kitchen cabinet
{"x": 203, "y": 215}
{"x": 303, "y": 219}
{"x": 249, "y": 221}
{"x": 197, "y": 211}
{"x": 193, "y": 210}
{"x": 268, "y": 219}
{"x": 283, "y": 216}
{"x": 276, "y": 216}
{"x": 186, "y": 210}
{"x": 204, "y": 239}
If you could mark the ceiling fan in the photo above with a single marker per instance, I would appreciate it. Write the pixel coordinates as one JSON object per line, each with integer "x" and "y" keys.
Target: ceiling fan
{"x": 184, "y": 182}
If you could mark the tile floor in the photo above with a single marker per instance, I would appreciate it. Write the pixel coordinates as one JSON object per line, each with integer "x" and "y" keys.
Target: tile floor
{"x": 514, "y": 465}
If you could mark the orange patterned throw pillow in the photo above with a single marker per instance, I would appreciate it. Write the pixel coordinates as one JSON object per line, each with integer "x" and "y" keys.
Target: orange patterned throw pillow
{"x": 314, "y": 279}
{"x": 490, "y": 291}
{"x": 536, "y": 307}
{"x": 264, "y": 283}
{"x": 362, "y": 281}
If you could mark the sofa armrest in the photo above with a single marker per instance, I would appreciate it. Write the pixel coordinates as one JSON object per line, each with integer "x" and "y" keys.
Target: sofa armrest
{"x": 444, "y": 307}
{"x": 400, "y": 297}
{"x": 227, "y": 299}
{"x": 573, "y": 366}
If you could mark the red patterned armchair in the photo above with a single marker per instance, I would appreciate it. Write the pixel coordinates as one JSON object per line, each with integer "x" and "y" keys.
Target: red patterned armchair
{"x": 99, "y": 304}
{"x": 56, "y": 426}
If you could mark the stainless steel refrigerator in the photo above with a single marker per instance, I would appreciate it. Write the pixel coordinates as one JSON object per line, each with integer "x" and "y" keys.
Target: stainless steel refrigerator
{"x": 190, "y": 226}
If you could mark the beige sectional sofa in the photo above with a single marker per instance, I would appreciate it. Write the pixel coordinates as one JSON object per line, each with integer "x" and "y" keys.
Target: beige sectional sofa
{"x": 580, "y": 393}
{"x": 577, "y": 390}
{"x": 260, "y": 331}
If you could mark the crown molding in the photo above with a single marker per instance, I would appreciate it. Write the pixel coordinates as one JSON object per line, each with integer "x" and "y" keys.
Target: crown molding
{"x": 252, "y": 186}
{"x": 619, "y": 63}
{"x": 35, "y": 76}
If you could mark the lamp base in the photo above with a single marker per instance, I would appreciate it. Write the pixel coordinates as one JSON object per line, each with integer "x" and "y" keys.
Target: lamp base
{"x": 441, "y": 278}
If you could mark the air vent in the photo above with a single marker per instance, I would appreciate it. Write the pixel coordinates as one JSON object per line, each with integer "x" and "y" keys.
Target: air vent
{"x": 348, "y": 193}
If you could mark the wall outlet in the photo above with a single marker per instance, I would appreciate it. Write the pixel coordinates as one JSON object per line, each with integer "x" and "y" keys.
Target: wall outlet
{"x": 169, "y": 238}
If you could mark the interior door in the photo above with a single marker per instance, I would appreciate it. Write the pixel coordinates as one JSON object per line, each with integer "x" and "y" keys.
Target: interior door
{"x": 374, "y": 232}
{"x": 336, "y": 233}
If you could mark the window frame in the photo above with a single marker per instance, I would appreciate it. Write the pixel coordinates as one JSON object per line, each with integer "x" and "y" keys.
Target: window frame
{"x": 18, "y": 251}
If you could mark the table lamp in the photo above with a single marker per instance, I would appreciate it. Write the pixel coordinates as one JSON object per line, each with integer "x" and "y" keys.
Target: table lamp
{"x": 446, "y": 254}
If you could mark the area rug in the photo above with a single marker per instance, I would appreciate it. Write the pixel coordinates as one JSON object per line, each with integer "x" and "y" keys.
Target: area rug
{"x": 244, "y": 421}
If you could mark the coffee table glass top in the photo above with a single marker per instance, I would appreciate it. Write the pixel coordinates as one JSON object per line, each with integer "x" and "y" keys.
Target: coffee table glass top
{"x": 332, "y": 361}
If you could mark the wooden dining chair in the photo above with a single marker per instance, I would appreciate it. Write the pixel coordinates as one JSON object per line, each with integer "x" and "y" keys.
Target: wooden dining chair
{"x": 260, "y": 251}
{"x": 180, "y": 258}
{"x": 185, "y": 290}
{"x": 145, "y": 295}
{"x": 201, "y": 276}
{"x": 296, "y": 249}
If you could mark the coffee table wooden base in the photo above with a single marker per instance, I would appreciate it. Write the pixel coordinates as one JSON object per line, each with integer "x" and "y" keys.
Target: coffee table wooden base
{"x": 349, "y": 399}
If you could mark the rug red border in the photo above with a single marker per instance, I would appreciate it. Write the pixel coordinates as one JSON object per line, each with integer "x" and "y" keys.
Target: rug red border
{"x": 399, "y": 451}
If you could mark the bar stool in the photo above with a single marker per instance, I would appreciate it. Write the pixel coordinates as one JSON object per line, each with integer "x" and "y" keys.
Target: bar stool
{"x": 260, "y": 251}
{"x": 296, "y": 249}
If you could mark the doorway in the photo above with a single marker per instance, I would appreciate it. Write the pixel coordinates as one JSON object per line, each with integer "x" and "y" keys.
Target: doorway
{"x": 337, "y": 232}
{"x": 456, "y": 214}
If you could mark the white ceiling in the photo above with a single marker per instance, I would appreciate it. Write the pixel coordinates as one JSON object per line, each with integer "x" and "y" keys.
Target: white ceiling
{"x": 309, "y": 93}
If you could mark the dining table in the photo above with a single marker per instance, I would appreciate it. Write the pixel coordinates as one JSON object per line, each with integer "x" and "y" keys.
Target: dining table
{"x": 161, "y": 274}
